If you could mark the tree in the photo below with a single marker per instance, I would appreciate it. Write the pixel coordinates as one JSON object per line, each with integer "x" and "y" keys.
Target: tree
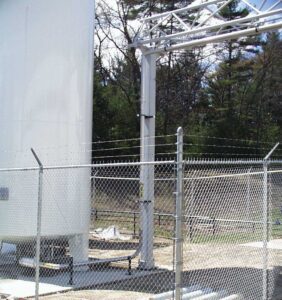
{"x": 123, "y": 71}
{"x": 238, "y": 98}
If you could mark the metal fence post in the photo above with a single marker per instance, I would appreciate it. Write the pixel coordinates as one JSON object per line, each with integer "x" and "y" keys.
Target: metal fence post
{"x": 38, "y": 229}
{"x": 266, "y": 223}
{"x": 178, "y": 216}
{"x": 134, "y": 224}
{"x": 248, "y": 195}
{"x": 265, "y": 229}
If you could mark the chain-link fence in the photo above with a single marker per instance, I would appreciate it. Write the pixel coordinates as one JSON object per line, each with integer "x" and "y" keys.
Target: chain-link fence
{"x": 227, "y": 222}
{"x": 87, "y": 221}
{"x": 90, "y": 227}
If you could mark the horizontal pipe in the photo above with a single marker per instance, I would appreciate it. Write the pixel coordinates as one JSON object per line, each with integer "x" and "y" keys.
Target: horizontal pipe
{"x": 169, "y": 294}
{"x": 114, "y": 259}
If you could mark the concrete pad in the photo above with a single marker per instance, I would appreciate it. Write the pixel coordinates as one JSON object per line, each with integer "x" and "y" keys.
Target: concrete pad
{"x": 24, "y": 286}
{"x": 21, "y": 288}
{"x": 274, "y": 244}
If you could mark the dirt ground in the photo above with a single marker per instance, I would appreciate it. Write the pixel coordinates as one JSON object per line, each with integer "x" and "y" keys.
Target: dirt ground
{"x": 209, "y": 266}
{"x": 122, "y": 295}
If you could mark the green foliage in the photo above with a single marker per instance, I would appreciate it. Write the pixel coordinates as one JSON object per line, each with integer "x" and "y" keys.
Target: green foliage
{"x": 241, "y": 98}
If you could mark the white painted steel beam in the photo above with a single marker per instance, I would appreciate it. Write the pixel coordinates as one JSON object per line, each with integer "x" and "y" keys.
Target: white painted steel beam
{"x": 209, "y": 28}
{"x": 205, "y": 20}
{"x": 181, "y": 10}
{"x": 153, "y": 41}
{"x": 217, "y": 38}
{"x": 148, "y": 111}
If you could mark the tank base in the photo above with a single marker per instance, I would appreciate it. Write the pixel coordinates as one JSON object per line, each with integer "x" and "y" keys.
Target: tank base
{"x": 78, "y": 245}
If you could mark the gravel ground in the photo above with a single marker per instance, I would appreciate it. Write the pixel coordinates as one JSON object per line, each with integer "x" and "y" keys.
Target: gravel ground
{"x": 209, "y": 266}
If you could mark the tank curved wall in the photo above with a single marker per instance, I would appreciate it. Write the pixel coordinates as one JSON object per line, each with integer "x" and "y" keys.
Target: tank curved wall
{"x": 46, "y": 70}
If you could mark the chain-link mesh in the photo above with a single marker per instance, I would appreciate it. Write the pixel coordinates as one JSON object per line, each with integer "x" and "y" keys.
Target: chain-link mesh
{"x": 224, "y": 225}
{"x": 18, "y": 223}
{"x": 93, "y": 220}
{"x": 90, "y": 229}
{"x": 116, "y": 229}
{"x": 275, "y": 224}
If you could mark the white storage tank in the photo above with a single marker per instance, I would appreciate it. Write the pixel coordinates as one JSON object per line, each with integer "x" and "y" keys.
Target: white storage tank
{"x": 46, "y": 79}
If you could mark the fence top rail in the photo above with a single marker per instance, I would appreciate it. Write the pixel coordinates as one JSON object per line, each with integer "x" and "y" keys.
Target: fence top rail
{"x": 192, "y": 161}
{"x": 114, "y": 164}
{"x": 223, "y": 161}
{"x": 19, "y": 169}
{"x": 153, "y": 163}
{"x": 191, "y": 178}
{"x": 99, "y": 165}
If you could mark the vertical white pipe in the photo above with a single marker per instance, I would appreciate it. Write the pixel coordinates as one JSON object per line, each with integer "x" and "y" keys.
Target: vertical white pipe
{"x": 148, "y": 111}
{"x": 178, "y": 216}
{"x": 265, "y": 231}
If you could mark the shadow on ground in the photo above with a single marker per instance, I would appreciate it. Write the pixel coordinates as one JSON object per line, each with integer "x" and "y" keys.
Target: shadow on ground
{"x": 244, "y": 281}
{"x": 277, "y": 293}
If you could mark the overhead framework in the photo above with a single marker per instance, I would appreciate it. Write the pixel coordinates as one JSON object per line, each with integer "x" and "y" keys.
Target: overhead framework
{"x": 198, "y": 24}
{"x": 202, "y": 22}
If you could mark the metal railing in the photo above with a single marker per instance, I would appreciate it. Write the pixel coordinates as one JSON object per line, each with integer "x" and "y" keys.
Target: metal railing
{"x": 166, "y": 220}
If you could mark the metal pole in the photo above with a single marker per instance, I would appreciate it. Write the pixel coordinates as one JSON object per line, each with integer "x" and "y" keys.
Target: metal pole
{"x": 178, "y": 216}
{"x": 192, "y": 211}
{"x": 38, "y": 229}
{"x": 248, "y": 194}
{"x": 265, "y": 223}
{"x": 265, "y": 229}
{"x": 148, "y": 111}
{"x": 134, "y": 225}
